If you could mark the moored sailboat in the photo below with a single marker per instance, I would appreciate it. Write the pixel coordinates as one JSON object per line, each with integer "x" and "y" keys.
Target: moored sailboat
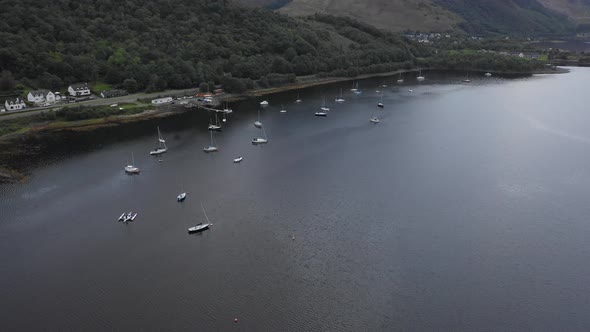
{"x": 162, "y": 148}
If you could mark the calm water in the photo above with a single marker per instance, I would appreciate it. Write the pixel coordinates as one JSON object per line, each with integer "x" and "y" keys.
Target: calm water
{"x": 466, "y": 208}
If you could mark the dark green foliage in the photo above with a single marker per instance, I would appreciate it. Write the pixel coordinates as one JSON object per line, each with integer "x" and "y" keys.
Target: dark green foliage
{"x": 7, "y": 82}
{"x": 157, "y": 44}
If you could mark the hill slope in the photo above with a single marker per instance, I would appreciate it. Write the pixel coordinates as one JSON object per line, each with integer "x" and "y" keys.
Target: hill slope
{"x": 577, "y": 10}
{"x": 393, "y": 15}
{"x": 158, "y": 44}
{"x": 474, "y": 16}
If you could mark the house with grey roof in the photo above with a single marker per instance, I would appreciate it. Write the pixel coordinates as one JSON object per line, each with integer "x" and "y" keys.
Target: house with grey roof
{"x": 14, "y": 104}
{"x": 79, "y": 89}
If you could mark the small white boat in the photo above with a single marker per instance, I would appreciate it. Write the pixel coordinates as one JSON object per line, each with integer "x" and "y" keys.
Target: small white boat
{"x": 215, "y": 126}
{"x": 420, "y": 78}
{"x": 259, "y": 140}
{"x": 410, "y": 90}
{"x": 257, "y": 123}
{"x": 238, "y": 160}
{"x": 283, "y": 109}
{"x": 122, "y": 216}
{"x": 200, "y": 226}
{"x": 161, "y": 145}
{"x": 298, "y": 100}
{"x": 383, "y": 85}
{"x": 211, "y": 147}
{"x": 227, "y": 110}
{"x": 488, "y": 74}
{"x": 321, "y": 113}
{"x": 131, "y": 169}
{"x": 181, "y": 197}
{"x": 400, "y": 79}
{"x": 324, "y": 108}
{"x": 340, "y": 99}
{"x": 133, "y": 218}
{"x": 374, "y": 119}
{"x": 380, "y": 105}
{"x": 264, "y": 103}
{"x": 354, "y": 87}
{"x": 467, "y": 80}
{"x": 378, "y": 91}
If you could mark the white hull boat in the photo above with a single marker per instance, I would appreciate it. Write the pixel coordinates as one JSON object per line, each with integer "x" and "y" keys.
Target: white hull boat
{"x": 238, "y": 160}
{"x": 264, "y": 103}
{"x": 162, "y": 148}
{"x": 181, "y": 197}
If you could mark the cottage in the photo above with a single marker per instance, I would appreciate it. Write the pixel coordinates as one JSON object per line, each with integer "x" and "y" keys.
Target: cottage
{"x": 162, "y": 100}
{"x": 40, "y": 96}
{"x": 79, "y": 89}
{"x": 14, "y": 104}
{"x": 113, "y": 93}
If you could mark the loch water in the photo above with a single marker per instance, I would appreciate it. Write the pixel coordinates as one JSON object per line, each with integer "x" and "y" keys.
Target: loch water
{"x": 465, "y": 209}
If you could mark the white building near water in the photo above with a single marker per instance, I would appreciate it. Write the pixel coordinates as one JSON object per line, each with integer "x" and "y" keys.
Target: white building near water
{"x": 41, "y": 96}
{"x": 78, "y": 90}
{"x": 162, "y": 100}
{"x": 14, "y": 104}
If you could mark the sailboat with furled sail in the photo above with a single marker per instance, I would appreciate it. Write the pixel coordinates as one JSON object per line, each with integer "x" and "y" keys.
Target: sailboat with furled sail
{"x": 211, "y": 147}
{"x": 215, "y": 126}
{"x": 161, "y": 145}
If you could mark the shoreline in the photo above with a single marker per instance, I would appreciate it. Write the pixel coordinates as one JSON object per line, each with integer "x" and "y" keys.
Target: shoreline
{"x": 169, "y": 110}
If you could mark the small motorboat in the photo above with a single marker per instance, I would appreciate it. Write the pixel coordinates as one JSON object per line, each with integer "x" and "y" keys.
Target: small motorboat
{"x": 130, "y": 169}
{"x": 257, "y": 124}
{"x": 259, "y": 140}
{"x": 374, "y": 119}
{"x": 488, "y": 74}
{"x": 410, "y": 90}
{"x": 321, "y": 113}
{"x": 198, "y": 228}
{"x": 238, "y": 160}
{"x": 181, "y": 197}
{"x": 210, "y": 149}
{"x": 380, "y": 105}
{"x": 264, "y": 103}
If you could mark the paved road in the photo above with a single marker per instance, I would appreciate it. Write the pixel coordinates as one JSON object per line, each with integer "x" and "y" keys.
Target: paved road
{"x": 100, "y": 101}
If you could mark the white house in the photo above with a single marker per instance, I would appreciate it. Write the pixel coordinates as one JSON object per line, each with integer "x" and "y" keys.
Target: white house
{"x": 162, "y": 100}
{"x": 79, "y": 89}
{"x": 14, "y": 104}
{"x": 40, "y": 96}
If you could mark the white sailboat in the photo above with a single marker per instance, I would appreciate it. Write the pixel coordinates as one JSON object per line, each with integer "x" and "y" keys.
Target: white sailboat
{"x": 380, "y": 103}
{"x": 130, "y": 168}
{"x": 488, "y": 74}
{"x": 200, "y": 226}
{"x": 264, "y": 103}
{"x": 161, "y": 145}
{"x": 260, "y": 140}
{"x": 298, "y": 100}
{"x": 257, "y": 123}
{"x": 420, "y": 78}
{"x": 354, "y": 87}
{"x": 323, "y": 110}
{"x": 467, "y": 80}
{"x": 357, "y": 90}
{"x": 400, "y": 79}
{"x": 283, "y": 109}
{"x": 227, "y": 109}
{"x": 238, "y": 160}
{"x": 215, "y": 126}
{"x": 340, "y": 99}
{"x": 211, "y": 147}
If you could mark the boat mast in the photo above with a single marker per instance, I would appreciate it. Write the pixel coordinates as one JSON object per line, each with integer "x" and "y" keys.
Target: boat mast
{"x": 205, "y": 213}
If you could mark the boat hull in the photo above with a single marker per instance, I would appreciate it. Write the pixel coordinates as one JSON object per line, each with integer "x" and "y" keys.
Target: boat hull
{"x": 158, "y": 152}
{"x": 198, "y": 229}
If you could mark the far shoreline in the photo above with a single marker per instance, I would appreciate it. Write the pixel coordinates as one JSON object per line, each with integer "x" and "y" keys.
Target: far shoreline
{"x": 168, "y": 110}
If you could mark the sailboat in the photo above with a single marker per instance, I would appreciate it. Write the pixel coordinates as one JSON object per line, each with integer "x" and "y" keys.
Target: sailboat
{"x": 182, "y": 196}
{"x": 226, "y": 109}
{"x": 131, "y": 169}
{"x": 340, "y": 99}
{"x": 200, "y": 226}
{"x": 257, "y": 123}
{"x": 400, "y": 79}
{"x": 283, "y": 109}
{"x": 264, "y": 103}
{"x": 354, "y": 87}
{"x": 420, "y": 77}
{"x": 161, "y": 145}
{"x": 380, "y": 103}
{"x": 211, "y": 147}
{"x": 356, "y": 90}
{"x": 467, "y": 80}
{"x": 260, "y": 140}
{"x": 488, "y": 74}
{"x": 323, "y": 110}
{"x": 215, "y": 126}
{"x": 298, "y": 100}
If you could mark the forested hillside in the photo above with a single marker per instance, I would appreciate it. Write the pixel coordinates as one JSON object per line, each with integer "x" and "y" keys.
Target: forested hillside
{"x": 158, "y": 44}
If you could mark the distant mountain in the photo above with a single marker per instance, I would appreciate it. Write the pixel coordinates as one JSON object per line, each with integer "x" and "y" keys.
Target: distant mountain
{"x": 393, "y": 15}
{"x": 577, "y": 10}
{"x": 526, "y": 17}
